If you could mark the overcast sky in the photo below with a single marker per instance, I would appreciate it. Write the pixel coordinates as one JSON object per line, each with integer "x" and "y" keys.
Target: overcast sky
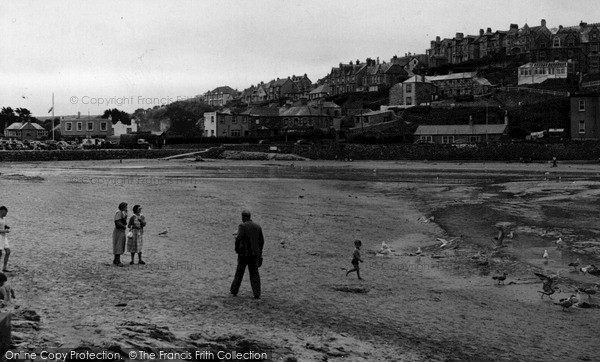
{"x": 138, "y": 54}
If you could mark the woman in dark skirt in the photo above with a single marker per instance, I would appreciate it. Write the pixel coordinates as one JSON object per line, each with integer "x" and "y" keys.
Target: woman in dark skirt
{"x": 119, "y": 233}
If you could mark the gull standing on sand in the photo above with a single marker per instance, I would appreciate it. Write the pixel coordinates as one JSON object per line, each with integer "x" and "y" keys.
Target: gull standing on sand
{"x": 164, "y": 232}
{"x": 545, "y": 256}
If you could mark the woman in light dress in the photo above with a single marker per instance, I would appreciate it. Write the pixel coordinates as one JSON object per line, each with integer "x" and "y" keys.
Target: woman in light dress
{"x": 136, "y": 241}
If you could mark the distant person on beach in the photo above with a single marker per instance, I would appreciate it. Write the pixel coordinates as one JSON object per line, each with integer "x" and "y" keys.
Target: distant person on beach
{"x": 249, "y": 242}
{"x": 356, "y": 259}
{"x": 6, "y": 291}
{"x": 135, "y": 242}
{"x": 119, "y": 233}
{"x": 4, "y": 230}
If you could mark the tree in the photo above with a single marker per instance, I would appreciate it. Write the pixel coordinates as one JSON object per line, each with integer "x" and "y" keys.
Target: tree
{"x": 23, "y": 114}
{"x": 7, "y": 117}
{"x": 117, "y": 115}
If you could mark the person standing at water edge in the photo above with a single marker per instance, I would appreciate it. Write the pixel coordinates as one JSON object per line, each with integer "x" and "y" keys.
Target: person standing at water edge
{"x": 249, "y": 242}
{"x": 119, "y": 233}
{"x": 4, "y": 230}
{"x": 356, "y": 259}
{"x": 134, "y": 244}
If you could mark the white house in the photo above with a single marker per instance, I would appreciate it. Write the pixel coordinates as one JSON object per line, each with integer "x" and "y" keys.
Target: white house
{"x": 119, "y": 128}
{"x": 533, "y": 73}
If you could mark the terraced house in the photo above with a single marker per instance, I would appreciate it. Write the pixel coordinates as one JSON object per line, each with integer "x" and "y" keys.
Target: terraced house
{"x": 577, "y": 45}
{"x": 346, "y": 78}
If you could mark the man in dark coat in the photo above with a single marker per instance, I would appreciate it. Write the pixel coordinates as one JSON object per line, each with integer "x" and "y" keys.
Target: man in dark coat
{"x": 249, "y": 242}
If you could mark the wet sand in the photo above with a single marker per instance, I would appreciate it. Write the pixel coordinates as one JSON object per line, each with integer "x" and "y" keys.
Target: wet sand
{"x": 407, "y": 308}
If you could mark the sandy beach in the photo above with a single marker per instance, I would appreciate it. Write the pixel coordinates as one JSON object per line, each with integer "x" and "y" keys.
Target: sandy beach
{"x": 439, "y": 306}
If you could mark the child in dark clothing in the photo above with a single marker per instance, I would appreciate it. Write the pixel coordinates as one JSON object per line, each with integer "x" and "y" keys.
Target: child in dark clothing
{"x": 6, "y": 292}
{"x": 356, "y": 259}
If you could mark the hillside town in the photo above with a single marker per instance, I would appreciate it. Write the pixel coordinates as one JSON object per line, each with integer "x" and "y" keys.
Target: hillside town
{"x": 504, "y": 72}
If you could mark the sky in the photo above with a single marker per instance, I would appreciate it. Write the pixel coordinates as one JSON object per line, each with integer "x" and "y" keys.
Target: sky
{"x": 95, "y": 55}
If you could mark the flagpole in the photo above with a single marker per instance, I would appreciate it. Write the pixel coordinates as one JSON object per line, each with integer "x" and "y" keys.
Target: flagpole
{"x": 52, "y": 116}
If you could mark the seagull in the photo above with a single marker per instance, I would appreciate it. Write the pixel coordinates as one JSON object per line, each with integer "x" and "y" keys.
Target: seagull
{"x": 567, "y": 303}
{"x": 594, "y": 271}
{"x": 443, "y": 241}
{"x": 164, "y": 232}
{"x": 510, "y": 235}
{"x": 282, "y": 242}
{"x": 419, "y": 251}
{"x": 548, "y": 285}
{"x": 574, "y": 264}
{"x": 500, "y": 278}
{"x": 586, "y": 269}
{"x": 559, "y": 243}
{"x": 545, "y": 256}
{"x": 588, "y": 291}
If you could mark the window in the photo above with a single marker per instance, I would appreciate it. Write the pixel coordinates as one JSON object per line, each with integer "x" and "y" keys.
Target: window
{"x": 556, "y": 42}
{"x": 68, "y": 126}
{"x": 128, "y": 130}
{"x": 221, "y": 120}
{"x": 212, "y": 132}
{"x": 235, "y": 133}
{"x": 594, "y": 48}
{"x": 408, "y": 101}
{"x": 581, "y": 126}
{"x": 79, "y": 126}
{"x": 233, "y": 120}
{"x": 409, "y": 88}
{"x": 474, "y": 139}
{"x": 103, "y": 126}
{"x": 426, "y": 138}
{"x": 90, "y": 126}
{"x": 581, "y": 105}
{"x": 447, "y": 139}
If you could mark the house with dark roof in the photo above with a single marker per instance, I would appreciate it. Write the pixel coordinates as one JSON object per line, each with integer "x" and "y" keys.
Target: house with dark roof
{"x": 381, "y": 76}
{"x": 346, "y": 78}
{"x": 88, "y": 127}
{"x": 220, "y": 96}
{"x": 280, "y": 88}
{"x": 25, "y": 131}
{"x": 222, "y": 124}
{"x": 319, "y": 92}
{"x": 469, "y": 133}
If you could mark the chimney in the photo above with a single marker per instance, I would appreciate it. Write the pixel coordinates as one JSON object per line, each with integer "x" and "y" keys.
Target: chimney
{"x": 543, "y": 22}
{"x": 459, "y": 36}
{"x": 489, "y": 30}
{"x": 357, "y": 62}
{"x": 582, "y": 24}
{"x": 480, "y": 32}
{"x": 506, "y": 118}
{"x": 437, "y": 39}
{"x": 377, "y": 60}
{"x": 340, "y": 65}
{"x": 560, "y": 27}
{"x": 514, "y": 26}
{"x": 470, "y": 121}
{"x": 78, "y": 115}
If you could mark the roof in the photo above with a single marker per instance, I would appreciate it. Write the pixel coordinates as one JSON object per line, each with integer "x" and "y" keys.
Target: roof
{"x": 320, "y": 89}
{"x": 261, "y": 111}
{"x": 461, "y": 129}
{"x": 224, "y": 89}
{"x": 374, "y": 113}
{"x": 452, "y": 76}
{"x": 25, "y": 125}
{"x": 300, "y": 111}
{"x": 417, "y": 79}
